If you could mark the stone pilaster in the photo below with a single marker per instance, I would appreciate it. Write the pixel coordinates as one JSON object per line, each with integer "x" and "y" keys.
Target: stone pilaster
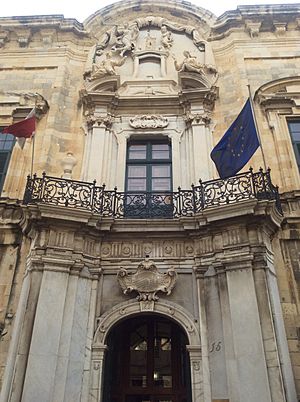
{"x": 196, "y": 373}
{"x": 56, "y": 315}
{"x": 97, "y": 369}
{"x": 201, "y": 147}
{"x": 206, "y": 375}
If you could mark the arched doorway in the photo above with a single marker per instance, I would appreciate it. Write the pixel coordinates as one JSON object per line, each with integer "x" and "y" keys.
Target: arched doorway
{"x": 147, "y": 361}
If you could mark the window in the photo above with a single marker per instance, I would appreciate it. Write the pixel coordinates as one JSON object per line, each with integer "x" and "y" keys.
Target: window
{"x": 148, "y": 167}
{"x": 148, "y": 179}
{"x": 294, "y": 128}
{"x": 6, "y": 146}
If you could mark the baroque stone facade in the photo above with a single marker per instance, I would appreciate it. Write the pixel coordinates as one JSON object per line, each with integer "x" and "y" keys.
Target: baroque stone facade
{"x": 79, "y": 262}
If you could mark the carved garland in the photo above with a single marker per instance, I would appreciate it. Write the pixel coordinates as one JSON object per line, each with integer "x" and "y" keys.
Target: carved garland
{"x": 149, "y": 121}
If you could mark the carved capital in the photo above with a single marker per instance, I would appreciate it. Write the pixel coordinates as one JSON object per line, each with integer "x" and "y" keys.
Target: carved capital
{"x": 100, "y": 121}
{"x": 149, "y": 121}
{"x": 147, "y": 281}
{"x": 197, "y": 118}
{"x": 105, "y": 121}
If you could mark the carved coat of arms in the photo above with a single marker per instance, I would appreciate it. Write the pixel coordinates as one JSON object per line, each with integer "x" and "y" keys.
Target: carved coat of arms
{"x": 147, "y": 281}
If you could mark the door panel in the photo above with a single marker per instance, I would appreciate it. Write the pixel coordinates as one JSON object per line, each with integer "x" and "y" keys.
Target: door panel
{"x": 146, "y": 362}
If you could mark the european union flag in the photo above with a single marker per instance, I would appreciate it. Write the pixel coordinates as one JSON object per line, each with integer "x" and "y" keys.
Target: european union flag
{"x": 237, "y": 145}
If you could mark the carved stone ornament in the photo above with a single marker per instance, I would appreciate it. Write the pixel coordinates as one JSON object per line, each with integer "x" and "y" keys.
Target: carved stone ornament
{"x": 4, "y": 37}
{"x": 123, "y": 38}
{"x": 105, "y": 67}
{"x": 197, "y": 118}
{"x": 147, "y": 281}
{"x": 192, "y": 65}
{"x": 149, "y": 121}
{"x": 101, "y": 121}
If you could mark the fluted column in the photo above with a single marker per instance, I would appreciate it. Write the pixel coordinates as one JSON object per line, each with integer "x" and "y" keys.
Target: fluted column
{"x": 202, "y": 145}
{"x": 100, "y": 151}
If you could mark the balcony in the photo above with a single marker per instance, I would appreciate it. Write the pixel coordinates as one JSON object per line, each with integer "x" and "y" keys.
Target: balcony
{"x": 181, "y": 203}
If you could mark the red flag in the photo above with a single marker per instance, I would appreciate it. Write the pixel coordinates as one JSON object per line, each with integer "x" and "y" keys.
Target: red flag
{"x": 22, "y": 129}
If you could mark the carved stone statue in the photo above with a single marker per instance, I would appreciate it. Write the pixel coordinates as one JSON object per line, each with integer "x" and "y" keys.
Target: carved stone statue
{"x": 166, "y": 37}
{"x": 106, "y": 66}
{"x": 190, "y": 63}
{"x": 102, "y": 44}
{"x": 126, "y": 38}
{"x": 147, "y": 281}
{"x": 150, "y": 42}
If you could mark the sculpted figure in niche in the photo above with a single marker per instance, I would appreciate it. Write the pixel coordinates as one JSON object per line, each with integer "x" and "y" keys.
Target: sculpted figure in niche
{"x": 106, "y": 67}
{"x": 126, "y": 38}
{"x": 190, "y": 63}
{"x": 166, "y": 37}
{"x": 150, "y": 41}
{"x": 102, "y": 45}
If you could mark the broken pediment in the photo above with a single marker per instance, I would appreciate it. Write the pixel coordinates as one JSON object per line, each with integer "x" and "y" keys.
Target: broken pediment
{"x": 150, "y": 49}
{"x": 20, "y": 104}
{"x": 279, "y": 94}
{"x": 190, "y": 81}
{"x": 106, "y": 84}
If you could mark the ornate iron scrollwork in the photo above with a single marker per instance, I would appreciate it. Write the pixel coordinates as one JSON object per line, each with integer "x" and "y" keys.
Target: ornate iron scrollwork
{"x": 112, "y": 203}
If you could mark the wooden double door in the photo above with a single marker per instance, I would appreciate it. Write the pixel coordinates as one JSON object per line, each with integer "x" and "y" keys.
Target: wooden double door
{"x": 147, "y": 361}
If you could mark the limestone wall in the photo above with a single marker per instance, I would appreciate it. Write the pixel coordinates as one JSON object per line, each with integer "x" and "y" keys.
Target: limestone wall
{"x": 92, "y": 117}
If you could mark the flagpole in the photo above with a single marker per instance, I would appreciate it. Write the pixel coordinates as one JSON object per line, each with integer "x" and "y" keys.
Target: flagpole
{"x": 31, "y": 114}
{"x": 256, "y": 127}
{"x": 32, "y": 155}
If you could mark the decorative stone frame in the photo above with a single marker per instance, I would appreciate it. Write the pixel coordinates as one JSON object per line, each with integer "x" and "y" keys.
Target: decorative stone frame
{"x": 187, "y": 96}
{"x": 278, "y": 100}
{"x": 130, "y": 309}
{"x": 15, "y": 106}
{"x": 171, "y": 133}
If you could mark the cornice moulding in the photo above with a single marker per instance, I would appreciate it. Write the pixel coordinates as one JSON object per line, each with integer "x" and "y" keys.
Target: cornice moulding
{"x": 56, "y": 21}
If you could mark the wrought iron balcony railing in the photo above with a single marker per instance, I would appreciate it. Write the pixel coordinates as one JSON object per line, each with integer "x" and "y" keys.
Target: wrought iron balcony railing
{"x": 113, "y": 203}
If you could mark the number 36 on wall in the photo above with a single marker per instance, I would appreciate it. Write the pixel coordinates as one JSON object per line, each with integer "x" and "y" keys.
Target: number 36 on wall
{"x": 216, "y": 347}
